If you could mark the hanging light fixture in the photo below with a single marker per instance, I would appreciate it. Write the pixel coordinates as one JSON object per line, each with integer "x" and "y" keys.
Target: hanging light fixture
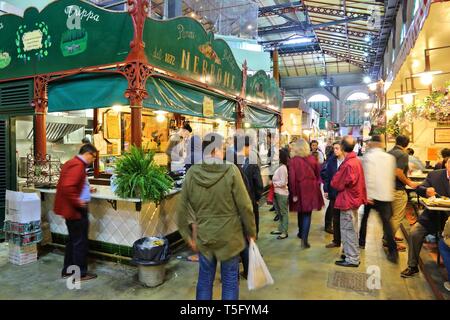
{"x": 408, "y": 98}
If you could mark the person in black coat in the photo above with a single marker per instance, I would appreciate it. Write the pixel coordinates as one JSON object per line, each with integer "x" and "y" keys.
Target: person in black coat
{"x": 254, "y": 180}
{"x": 332, "y": 215}
{"x": 436, "y": 184}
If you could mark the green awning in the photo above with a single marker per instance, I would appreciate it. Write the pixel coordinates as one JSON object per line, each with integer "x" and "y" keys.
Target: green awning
{"x": 87, "y": 91}
{"x": 174, "y": 97}
{"x": 259, "y": 118}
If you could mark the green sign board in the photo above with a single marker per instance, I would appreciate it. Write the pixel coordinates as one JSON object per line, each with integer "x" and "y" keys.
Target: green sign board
{"x": 65, "y": 35}
{"x": 263, "y": 90}
{"x": 182, "y": 46}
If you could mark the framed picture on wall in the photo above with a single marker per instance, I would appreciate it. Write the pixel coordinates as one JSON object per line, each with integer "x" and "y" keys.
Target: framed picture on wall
{"x": 442, "y": 135}
{"x": 408, "y": 131}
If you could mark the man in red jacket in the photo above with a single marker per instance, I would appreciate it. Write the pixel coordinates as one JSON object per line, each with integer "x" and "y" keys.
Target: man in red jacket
{"x": 71, "y": 202}
{"x": 351, "y": 187}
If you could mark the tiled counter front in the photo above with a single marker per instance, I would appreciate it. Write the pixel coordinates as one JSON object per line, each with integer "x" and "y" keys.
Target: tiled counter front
{"x": 121, "y": 226}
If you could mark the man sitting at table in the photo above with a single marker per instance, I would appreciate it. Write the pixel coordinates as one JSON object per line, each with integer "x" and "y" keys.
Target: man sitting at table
{"x": 436, "y": 184}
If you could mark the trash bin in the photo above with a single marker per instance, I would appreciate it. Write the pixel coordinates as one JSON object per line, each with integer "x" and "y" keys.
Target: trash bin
{"x": 151, "y": 254}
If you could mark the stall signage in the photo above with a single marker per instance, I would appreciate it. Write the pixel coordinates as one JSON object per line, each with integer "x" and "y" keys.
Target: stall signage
{"x": 264, "y": 90}
{"x": 65, "y": 35}
{"x": 182, "y": 46}
{"x": 208, "y": 107}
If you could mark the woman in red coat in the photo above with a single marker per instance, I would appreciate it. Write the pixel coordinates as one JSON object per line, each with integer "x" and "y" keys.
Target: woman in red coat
{"x": 305, "y": 195}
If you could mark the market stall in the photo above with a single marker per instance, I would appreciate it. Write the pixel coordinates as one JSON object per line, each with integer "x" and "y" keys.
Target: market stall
{"x": 134, "y": 89}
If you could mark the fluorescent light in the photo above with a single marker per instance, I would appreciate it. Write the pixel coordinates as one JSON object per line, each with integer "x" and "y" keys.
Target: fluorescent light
{"x": 298, "y": 40}
{"x": 162, "y": 112}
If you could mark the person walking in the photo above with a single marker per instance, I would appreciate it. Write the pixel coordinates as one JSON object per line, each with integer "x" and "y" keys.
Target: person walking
{"x": 379, "y": 173}
{"x": 400, "y": 196}
{"x": 304, "y": 185}
{"x": 73, "y": 194}
{"x": 254, "y": 179}
{"x": 351, "y": 187}
{"x": 280, "y": 181}
{"x": 215, "y": 193}
{"x": 332, "y": 215}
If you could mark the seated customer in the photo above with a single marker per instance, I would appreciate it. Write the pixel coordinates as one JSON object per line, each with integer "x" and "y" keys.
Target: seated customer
{"x": 445, "y": 153}
{"x": 414, "y": 162}
{"x": 444, "y": 249}
{"x": 437, "y": 182}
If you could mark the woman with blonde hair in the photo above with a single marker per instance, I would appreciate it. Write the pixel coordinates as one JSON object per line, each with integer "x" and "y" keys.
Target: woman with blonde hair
{"x": 304, "y": 187}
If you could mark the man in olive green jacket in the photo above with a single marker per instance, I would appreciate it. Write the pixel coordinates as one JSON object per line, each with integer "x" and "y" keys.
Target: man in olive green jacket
{"x": 214, "y": 203}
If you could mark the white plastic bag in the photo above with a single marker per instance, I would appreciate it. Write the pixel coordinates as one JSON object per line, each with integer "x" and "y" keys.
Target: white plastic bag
{"x": 258, "y": 274}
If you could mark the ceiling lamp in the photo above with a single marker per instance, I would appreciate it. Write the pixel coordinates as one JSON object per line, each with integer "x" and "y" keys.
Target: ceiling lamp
{"x": 408, "y": 98}
{"x": 426, "y": 78}
{"x": 367, "y": 80}
{"x": 396, "y": 108}
{"x": 372, "y": 86}
{"x": 322, "y": 83}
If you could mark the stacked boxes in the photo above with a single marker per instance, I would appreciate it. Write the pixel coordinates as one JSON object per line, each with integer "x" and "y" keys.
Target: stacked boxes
{"x": 22, "y": 226}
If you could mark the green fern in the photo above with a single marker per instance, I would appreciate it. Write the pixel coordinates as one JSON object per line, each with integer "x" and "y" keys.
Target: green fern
{"x": 138, "y": 176}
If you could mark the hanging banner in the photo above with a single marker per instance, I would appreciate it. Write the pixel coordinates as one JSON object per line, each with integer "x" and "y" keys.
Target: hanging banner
{"x": 208, "y": 107}
{"x": 65, "y": 35}
{"x": 263, "y": 90}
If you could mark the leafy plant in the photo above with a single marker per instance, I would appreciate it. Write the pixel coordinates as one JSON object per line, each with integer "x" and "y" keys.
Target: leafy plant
{"x": 138, "y": 176}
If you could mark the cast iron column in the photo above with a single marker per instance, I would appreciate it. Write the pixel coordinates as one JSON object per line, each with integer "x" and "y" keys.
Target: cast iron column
{"x": 241, "y": 99}
{"x": 40, "y": 103}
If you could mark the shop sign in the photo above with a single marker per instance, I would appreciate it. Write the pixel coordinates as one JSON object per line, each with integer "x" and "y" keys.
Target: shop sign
{"x": 182, "y": 46}
{"x": 264, "y": 90}
{"x": 208, "y": 107}
{"x": 441, "y": 135}
{"x": 66, "y": 34}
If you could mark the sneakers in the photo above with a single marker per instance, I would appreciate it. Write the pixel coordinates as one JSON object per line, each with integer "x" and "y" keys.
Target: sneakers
{"x": 277, "y": 217}
{"x": 343, "y": 263}
{"x": 447, "y": 285}
{"x": 332, "y": 244}
{"x": 282, "y": 236}
{"x": 409, "y": 272}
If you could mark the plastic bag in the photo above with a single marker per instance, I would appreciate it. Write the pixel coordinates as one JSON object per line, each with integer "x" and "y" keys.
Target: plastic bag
{"x": 271, "y": 194}
{"x": 258, "y": 274}
{"x": 151, "y": 251}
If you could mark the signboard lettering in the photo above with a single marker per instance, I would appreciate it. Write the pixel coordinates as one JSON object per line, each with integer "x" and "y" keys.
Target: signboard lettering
{"x": 81, "y": 14}
{"x": 32, "y": 40}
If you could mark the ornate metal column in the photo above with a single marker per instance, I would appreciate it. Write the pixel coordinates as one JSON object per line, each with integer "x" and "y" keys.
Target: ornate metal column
{"x": 40, "y": 103}
{"x": 241, "y": 100}
{"x": 137, "y": 70}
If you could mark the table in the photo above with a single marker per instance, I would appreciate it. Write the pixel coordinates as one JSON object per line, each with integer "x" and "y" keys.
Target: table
{"x": 437, "y": 209}
{"x": 416, "y": 177}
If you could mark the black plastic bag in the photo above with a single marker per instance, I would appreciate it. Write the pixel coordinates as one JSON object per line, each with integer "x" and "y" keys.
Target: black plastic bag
{"x": 147, "y": 254}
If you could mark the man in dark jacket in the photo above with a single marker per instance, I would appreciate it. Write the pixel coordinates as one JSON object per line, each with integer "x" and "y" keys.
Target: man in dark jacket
{"x": 437, "y": 183}
{"x": 71, "y": 202}
{"x": 253, "y": 174}
{"x": 332, "y": 215}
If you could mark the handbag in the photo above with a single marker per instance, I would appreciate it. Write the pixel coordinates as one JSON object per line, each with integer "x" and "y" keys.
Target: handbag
{"x": 258, "y": 274}
{"x": 270, "y": 194}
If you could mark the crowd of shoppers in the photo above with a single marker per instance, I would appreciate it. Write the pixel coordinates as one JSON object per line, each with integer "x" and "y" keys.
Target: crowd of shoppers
{"x": 375, "y": 180}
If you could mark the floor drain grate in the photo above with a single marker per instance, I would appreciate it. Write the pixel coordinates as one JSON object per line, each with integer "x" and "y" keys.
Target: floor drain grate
{"x": 349, "y": 281}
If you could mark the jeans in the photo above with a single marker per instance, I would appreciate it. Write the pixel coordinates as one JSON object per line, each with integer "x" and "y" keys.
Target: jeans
{"x": 445, "y": 253}
{"x": 77, "y": 247}
{"x": 349, "y": 224}
{"x": 304, "y": 223}
{"x": 256, "y": 212}
{"x": 229, "y": 275}
{"x": 282, "y": 210}
{"x": 385, "y": 211}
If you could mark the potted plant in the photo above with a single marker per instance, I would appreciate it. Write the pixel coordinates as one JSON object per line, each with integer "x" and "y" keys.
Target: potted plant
{"x": 138, "y": 176}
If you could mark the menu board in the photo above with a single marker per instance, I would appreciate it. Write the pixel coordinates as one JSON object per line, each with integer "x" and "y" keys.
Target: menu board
{"x": 442, "y": 135}
{"x": 112, "y": 121}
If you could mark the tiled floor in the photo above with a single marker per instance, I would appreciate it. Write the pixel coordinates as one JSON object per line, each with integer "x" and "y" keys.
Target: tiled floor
{"x": 298, "y": 273}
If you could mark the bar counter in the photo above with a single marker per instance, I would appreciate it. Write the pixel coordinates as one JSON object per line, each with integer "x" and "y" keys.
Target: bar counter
{"x": 117, "y": 221}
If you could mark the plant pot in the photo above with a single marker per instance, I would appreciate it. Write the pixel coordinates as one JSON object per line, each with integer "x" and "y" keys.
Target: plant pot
{"x": 152, "y": 275}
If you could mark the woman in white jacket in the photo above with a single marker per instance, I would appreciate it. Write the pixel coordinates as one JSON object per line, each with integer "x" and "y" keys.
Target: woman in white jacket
{"x": 280, "y": 183}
